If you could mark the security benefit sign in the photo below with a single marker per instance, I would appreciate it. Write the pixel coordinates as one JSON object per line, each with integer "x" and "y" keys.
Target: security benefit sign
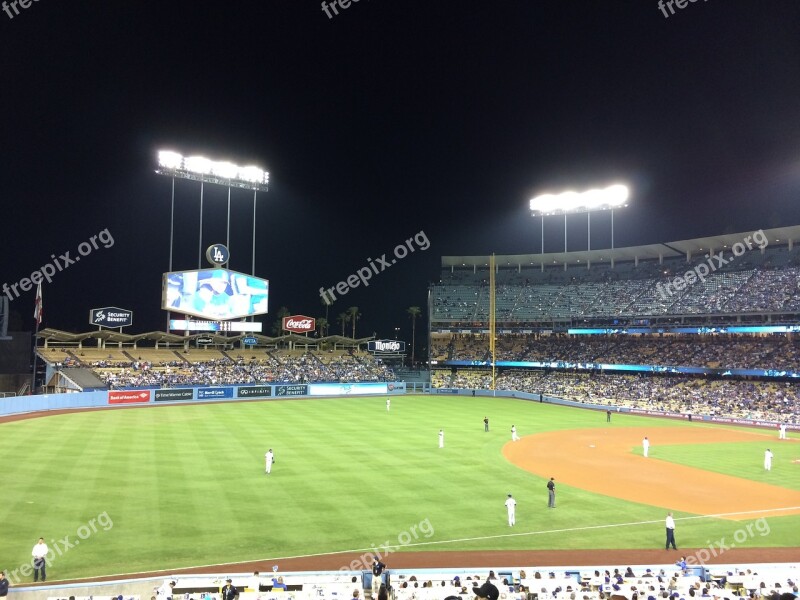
{"x": 111, "y": 316}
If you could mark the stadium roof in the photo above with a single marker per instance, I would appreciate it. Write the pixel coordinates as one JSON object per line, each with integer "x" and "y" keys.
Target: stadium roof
{"x": 781, "y": 236}
{"x": 58, "y": 336}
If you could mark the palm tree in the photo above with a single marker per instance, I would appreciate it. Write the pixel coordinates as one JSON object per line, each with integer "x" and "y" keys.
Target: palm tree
{"x": 354, "y": 316}
{"x": 413, "y": 313}
{"x": 322, "y": 326}
{"x": 344, "y": 319}
{"x": 277, "y": 326}
{"x": 324, "y": 302}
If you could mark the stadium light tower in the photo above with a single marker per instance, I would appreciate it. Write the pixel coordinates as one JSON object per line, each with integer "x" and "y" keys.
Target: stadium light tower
{"x": 566, "y": 203}
{"x": 199, "y": 168}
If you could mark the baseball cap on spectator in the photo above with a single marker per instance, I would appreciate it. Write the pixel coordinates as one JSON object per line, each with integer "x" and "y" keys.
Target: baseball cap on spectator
{"x": 487, "y": 590}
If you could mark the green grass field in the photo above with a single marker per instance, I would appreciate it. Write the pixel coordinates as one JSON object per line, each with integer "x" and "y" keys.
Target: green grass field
{"x": 185, "y": 485}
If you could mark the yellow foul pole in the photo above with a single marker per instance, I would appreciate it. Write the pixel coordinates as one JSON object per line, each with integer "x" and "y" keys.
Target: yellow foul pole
{"x": 492, "y": 318}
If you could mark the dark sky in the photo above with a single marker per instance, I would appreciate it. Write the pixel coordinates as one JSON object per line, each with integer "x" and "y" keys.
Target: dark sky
{"x": 391, "y": 118}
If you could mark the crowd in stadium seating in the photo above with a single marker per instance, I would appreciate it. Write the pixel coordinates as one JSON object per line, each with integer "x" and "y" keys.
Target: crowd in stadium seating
{"x": 714, "y": 351}
{"x": 300, "y": 368}
{"x": 752, "y": 283}
{"x": 774, "y": 401}
{"x": 641, "y": 583}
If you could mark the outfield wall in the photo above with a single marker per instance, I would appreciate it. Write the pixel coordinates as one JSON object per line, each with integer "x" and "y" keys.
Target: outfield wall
{"x": 616, "y": 409}
{"x": 143, "y": 396}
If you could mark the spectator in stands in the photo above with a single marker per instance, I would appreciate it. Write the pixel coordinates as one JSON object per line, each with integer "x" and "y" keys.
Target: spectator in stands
{"x": 165, "y": 591}
{"x": 355, "y": 595}
{"x": 255, "y": 582}
{"x": 3, "y": 585}
{"x": 228, "y": 591}
{"x": 487, "y": 591}
{"x": 377, "y": 571}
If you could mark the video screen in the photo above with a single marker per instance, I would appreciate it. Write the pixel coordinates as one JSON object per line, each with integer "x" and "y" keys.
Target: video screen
{"x": 215, "y": 294}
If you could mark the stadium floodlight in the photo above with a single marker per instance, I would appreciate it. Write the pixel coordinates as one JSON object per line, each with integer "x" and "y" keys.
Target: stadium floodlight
{"x": 566, "y": 203}
{"x": 615, "y": 196}
{"x": 200, "y": 168}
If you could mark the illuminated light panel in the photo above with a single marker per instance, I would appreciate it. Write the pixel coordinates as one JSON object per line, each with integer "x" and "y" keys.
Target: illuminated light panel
{"x": 614, "y": 196}
{"x": 201, "y": 168}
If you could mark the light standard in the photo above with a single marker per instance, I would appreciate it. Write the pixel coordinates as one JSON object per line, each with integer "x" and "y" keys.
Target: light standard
{"x": 204, "y": 170}
{"x": 610, "y": 198}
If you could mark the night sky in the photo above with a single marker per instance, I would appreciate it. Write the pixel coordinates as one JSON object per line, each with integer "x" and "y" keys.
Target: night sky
{"x": 390, "y": 118}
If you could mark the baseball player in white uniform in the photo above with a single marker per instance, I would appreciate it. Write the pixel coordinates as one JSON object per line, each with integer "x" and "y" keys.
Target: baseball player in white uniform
{"x": 270, "y": 458}
{"x": 782, "y": 432}
{"x": 768, "y": 459}
{"x": 645, "y": 446}
{"x": 511, "y": 506}
{"x": 514, "y": 436}
{"x": 441, "y": 438}
{"x": 388, "y": 404}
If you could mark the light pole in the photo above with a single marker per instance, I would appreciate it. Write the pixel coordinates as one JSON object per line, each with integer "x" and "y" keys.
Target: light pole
{"x": 204, "y": 170}
{"x": 566, "y": 203}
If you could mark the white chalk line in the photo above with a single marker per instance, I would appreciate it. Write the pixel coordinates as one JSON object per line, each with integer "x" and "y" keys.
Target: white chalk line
{"x": 378, "y": 549}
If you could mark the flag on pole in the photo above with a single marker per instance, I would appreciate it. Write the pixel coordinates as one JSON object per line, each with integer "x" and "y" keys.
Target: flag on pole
{"x": 37, "y": 311}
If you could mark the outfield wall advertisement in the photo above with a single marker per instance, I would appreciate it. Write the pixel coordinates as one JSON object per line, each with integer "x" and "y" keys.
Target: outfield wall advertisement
{"x": 347, "y": 389}
{"x": 129, "y": 397}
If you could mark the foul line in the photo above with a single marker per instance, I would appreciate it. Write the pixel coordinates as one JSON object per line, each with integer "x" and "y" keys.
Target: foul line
{"x": 452, "y": 541}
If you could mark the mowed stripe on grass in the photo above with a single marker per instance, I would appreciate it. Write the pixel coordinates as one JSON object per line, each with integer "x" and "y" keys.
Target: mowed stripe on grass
{"x": 603, "y": 461}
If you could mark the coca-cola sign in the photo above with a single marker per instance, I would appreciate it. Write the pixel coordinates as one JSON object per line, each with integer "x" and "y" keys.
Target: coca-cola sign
{"x": 299, "y": 324}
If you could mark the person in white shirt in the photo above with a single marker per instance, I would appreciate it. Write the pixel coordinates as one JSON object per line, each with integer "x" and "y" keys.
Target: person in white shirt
{"x": 768, "y": 459}
{"x": 645, "y": 446}
{"x": 255, "y": 582}
{"x": 782, "y": 432}
{"x": 165, "y": 591}
{"x": 270, "y": 458}
{"x": 388, "y": 404}
{"x": 39, "y": 553}
{"x": 670, "y": 525}
{"x": 441, "y": 438}
{"x": 511, "y": 506}
{"x": 514, "y": 436}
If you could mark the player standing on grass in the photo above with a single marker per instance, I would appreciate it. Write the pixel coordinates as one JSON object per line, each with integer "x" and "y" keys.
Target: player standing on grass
{"x": 511, "y": 506}
{"x": 645, "y": 446}
{"x": 270, "y": 458}
{"x": 441, "y": 438}
{"x": 768, "y": 459}
{"x": 388, "y": 404}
